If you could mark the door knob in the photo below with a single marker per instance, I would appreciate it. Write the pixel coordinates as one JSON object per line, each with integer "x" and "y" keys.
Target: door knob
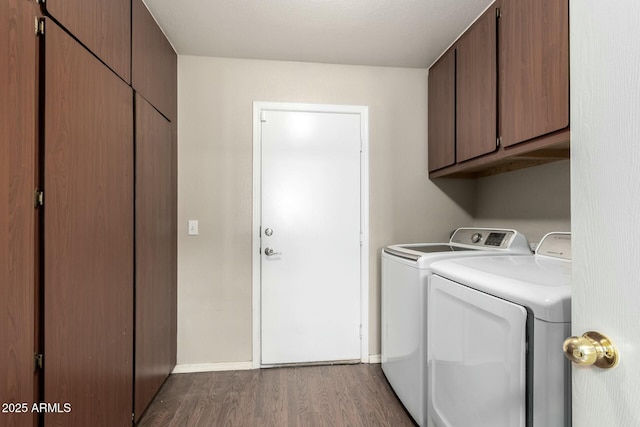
{"x": 592, "y": 348}
{"x": 270, "y": 252}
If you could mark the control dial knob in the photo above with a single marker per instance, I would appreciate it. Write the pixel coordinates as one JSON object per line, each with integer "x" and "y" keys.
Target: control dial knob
{"x": 476, "y": 237}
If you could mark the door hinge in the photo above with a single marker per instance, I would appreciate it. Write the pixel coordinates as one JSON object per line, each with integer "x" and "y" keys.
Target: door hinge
{"x": 133, "y": 416}
{"x": 38, "y": 198}
{"x": 498, "y": 13}
{"x": 360, "y": 331}
{"x": 40, "y": 1}
{"x": 39, "y": 26}
{"x": 263, "y": 116}
{"x": 498, "y": 142}
{"x": 38, "y": 361}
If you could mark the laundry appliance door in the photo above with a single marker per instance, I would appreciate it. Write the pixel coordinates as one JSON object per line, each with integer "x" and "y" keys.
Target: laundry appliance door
{"x": 477, "y": 344}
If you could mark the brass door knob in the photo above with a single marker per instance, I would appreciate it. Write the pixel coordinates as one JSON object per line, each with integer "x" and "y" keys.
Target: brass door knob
{"x": 592, "y": 348}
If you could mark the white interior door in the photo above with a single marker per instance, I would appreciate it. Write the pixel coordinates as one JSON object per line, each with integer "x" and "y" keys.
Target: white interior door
{"x": 605, "y": 204}
{"x": 311, "y": 220}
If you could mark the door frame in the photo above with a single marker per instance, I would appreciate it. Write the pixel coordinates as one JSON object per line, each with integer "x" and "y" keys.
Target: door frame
{"x": 363, "y": 112}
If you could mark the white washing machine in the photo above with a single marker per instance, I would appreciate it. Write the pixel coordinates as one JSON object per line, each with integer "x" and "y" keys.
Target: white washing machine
{"x": 405, "y": 278}
{"x": 496, "y": 328}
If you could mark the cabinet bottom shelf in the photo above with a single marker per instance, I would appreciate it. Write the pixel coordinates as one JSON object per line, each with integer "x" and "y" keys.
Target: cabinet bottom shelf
{"x": 546, "y": 149}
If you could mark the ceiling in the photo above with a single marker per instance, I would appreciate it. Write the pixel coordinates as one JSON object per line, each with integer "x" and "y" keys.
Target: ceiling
{"x": 399, "y": 33}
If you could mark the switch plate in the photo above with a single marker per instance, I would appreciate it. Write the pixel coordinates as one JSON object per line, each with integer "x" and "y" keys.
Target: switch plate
{"x": 193, "y": 227}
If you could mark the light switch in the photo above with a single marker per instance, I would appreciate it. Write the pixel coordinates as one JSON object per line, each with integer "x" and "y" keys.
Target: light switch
{"x": 193, "y": 227}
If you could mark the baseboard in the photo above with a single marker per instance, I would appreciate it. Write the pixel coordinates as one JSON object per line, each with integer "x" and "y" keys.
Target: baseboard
{"x": 375, "y": 358}
{"x": 211, "y": 367}
{"x": 232, "y": 366}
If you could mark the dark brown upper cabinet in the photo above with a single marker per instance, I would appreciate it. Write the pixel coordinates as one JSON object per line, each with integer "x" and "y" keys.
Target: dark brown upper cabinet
{"x": 512, "y": 90}
{"x": 154, "y": 68}
{"x": 534, "y": 68}
{"x": 442, "y": 112}
{"x": 476, "y": 96}
{"x": 104, "y": 27}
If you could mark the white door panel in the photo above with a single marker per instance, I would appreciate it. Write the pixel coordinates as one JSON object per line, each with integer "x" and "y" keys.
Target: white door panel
{"x": 605, "y": 208}
{"x": 311, "y": 202}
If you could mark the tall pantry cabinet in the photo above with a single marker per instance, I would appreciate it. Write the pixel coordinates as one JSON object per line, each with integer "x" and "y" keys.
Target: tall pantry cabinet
{"x": 18, "y": 218}
{"x": 88, "y": 235}
{"x": 156, "y": 205}
{"x": 87, "y": 211}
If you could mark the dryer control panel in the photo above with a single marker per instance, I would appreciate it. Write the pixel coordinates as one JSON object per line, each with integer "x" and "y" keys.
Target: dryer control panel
{"x": 555, "y": 245}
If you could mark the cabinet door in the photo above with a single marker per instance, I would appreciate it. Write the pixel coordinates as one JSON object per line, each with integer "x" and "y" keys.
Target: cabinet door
{"x": 534, "y": 68}
{"x": 442, "y": 112}
{"x": 154, "y": 63}
{"x": 155, "y": 283}
{"x": 476, "y": 95}
{"x": 104, "y": 27}
{"x": 88, "y": 237}
{"x": 18, "y": 124}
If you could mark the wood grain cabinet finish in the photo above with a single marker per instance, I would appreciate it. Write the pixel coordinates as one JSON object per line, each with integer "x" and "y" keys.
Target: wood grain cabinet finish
{"x": 67, "y": 268}
{"x": 154, "y": 62}
{"x": 88, "y": 245}
{"x": 528, "y": 109}
{"x": 442, "y": 112}
{"x": 476, "y": 92}
{"x": 174, "y": 238}
{"x": 155, "y": 228}
{"x": 18, "y": 179}
{"x": 534, "y": 68}
{"x": 103, "y": 26}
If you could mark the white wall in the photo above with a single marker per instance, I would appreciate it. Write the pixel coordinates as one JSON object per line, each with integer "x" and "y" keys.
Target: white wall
{"x": 534, "y": 201}
{"x": 215, "y": 98}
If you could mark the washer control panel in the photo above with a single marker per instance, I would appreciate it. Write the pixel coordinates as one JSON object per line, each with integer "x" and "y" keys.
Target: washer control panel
{"x": 483, "y": 237}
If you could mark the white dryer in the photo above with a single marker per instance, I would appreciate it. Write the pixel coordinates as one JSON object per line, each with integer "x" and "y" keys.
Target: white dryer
{"x": 496, "y": 328}
{"x": 405, "y": 279}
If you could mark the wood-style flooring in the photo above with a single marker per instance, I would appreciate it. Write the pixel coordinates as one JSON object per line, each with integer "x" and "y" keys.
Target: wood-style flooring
{"x": 327, "y": 396}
